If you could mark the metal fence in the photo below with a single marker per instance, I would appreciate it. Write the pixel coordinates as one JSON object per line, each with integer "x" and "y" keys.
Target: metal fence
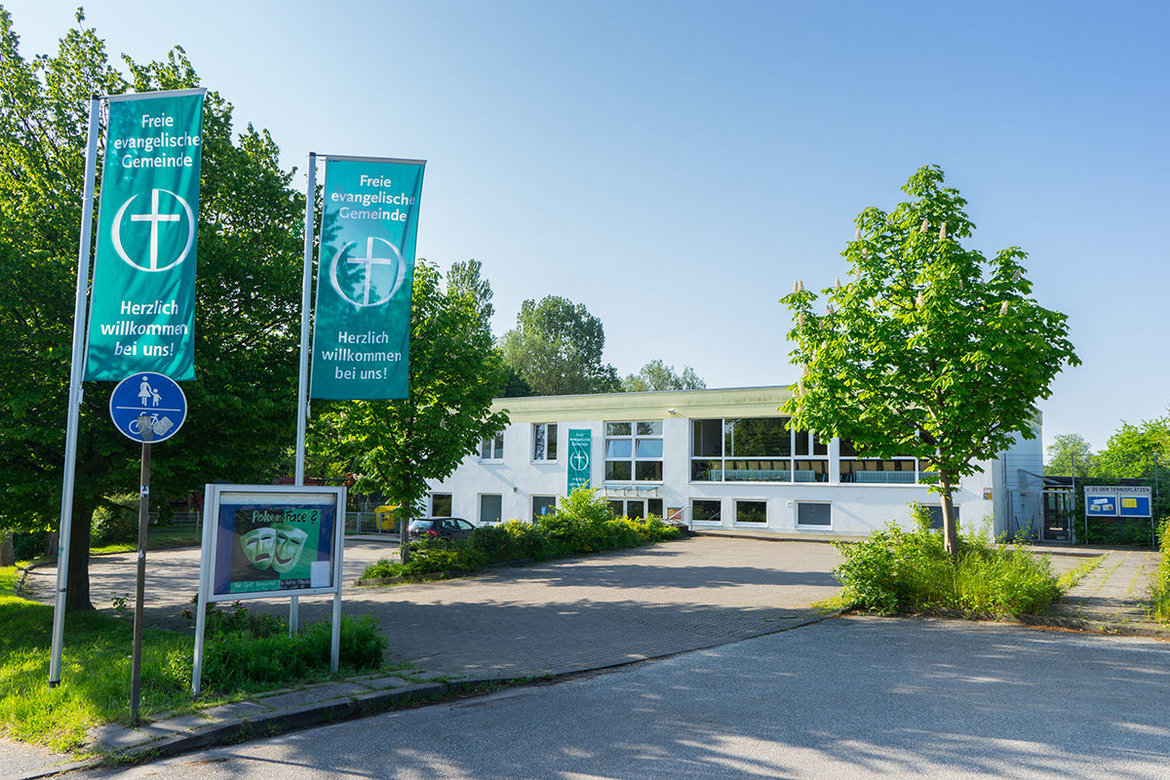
{"x": 187, "y": 527}
{"x": 369, "y": 523}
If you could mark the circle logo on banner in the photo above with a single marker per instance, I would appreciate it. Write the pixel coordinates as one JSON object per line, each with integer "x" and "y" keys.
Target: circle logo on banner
{"x": 148, "y": 406}
{"x": 144, "y": 238}
{"x": 369, "y": 280}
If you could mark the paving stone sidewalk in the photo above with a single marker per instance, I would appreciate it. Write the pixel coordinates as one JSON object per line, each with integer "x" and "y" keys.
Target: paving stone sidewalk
{"x": 1113, "y": 597}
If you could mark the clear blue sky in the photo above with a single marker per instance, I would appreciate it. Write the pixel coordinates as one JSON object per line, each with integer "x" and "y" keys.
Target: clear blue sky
{"x": 676, "y": 165}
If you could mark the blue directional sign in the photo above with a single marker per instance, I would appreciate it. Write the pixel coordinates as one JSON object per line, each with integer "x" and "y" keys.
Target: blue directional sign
{"x": 148, "y": 406}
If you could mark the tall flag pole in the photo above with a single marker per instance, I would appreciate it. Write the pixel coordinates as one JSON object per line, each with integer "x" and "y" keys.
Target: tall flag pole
{"x": 65, "y": 528}
{"x": 306, "y": 289}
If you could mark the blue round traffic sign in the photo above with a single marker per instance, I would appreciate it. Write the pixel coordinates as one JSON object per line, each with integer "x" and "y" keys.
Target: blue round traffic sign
{"x": 148, "y": 407}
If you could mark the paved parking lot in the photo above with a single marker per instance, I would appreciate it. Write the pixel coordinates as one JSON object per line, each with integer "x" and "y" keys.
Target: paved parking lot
{"x": 557, "y": 616}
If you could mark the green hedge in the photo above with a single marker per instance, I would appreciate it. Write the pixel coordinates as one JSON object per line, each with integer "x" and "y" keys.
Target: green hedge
{"x": 581, "y": 524}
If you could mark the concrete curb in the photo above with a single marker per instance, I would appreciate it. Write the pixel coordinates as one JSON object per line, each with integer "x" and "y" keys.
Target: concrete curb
{"x": 288, "y": 711}
{"x": 1092, "y": 626}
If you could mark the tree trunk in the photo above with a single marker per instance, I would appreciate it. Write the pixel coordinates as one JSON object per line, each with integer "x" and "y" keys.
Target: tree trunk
{"x": 950, "y": 525}
{"x": 77, "y": 591}
{"x": 7, "y": 553}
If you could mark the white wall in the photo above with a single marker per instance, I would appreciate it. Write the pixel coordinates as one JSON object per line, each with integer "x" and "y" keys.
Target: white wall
{"x": 856, "y": 509}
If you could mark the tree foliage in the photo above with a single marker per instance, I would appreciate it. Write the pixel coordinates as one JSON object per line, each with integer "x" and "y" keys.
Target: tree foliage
{"x": 556, "y": 347}
{"x": 1069, "y": 455}
{"x": 929, "y": 349}
{"x": 242, "y": 406}
{"x": 393, "y": 447}
{"x": 1134, "y": 450}
{"x": 656, "y": 375}
{"x": 467, "y": 278}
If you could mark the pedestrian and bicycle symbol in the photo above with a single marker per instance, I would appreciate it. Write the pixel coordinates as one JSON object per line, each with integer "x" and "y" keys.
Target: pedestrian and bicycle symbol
{"x": 148, "y": 407}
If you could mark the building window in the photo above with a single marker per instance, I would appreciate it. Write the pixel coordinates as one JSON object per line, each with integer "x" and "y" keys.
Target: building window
{"x": 936, "y": 515}
{"x": 636, "y": 508}
{"x": 543, "y": 505}
{"x": 814, "y": 515}
{"x": 544, "y": 441}
{"x": 755, "y": 449}
{"x": 490, "y": 507}
{"x": 633, "y": 451}
{"x": 898, "y": 470}
{"x": 441, "y": 505}
{"x": 751, "y": 512}
{"x": 493, "y": 448}
{"x": 706, "y": 511}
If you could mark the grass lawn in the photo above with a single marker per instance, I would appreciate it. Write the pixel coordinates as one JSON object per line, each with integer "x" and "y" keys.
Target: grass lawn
{"x": 156, "y": 539}
{"x": 95, "y": 671}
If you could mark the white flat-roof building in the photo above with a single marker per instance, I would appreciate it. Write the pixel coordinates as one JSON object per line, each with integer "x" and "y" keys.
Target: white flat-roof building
{"x": 716, "y": 459}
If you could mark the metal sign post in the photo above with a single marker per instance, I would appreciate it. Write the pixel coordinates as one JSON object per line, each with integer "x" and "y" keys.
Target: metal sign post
{"x": 147, "y": 407}
{"x": 140, "y": 584}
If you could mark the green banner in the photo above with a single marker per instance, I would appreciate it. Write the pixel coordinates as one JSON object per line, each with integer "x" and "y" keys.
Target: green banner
{"x": 361, "y": 339}
{"x": 142, "y": 313}
{"x": 580, "y": 460}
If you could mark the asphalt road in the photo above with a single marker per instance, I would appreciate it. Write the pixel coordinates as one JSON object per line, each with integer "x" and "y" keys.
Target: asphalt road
{"x": 848, "y": 697}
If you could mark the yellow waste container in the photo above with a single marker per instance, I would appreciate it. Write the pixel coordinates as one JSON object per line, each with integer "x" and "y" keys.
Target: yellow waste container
{"x": 384, "y": 516}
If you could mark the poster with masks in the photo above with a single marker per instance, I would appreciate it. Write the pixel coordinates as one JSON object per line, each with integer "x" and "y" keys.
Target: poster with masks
{"x": 273, "y": 543}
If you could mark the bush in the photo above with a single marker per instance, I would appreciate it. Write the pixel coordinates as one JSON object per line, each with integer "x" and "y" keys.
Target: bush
{"x": 1119, "y": 532}
{"x": 1161, "y": 585}
{"x": 582, "y": 524}
{"x": 31, "y": 545}
{"x": 243, "y": 650}
{"x": 116, "y": 521}
{"x": 895, "y": 570}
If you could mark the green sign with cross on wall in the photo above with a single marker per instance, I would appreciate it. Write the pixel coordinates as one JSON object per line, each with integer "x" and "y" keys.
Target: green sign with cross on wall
{"x": 580, "y": 458}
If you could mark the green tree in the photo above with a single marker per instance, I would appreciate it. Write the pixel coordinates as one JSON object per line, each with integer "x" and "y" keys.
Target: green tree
{"x": 656, "y": 375}
{"x": 241, "y": 408}
{"x": 467, "y": 277}
{"x": 929, "y": 349}
{"x": 1069, "y": 455}
{"x": 1133, "y": 449}
{"x": 514, "y": 385}
{"x": 393, "y": 447}
{"x": 556, "y": 347}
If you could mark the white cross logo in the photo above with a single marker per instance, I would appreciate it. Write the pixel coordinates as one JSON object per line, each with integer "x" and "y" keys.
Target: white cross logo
{"x": 579, "y": 460}
{"x": 368, "y": 289}
{"x": 155, "y": 217}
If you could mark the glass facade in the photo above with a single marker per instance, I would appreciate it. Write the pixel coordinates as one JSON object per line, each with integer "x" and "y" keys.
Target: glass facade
{"x": 755, "y": 449}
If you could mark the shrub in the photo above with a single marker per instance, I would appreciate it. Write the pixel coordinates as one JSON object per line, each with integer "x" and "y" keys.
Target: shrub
{"x": 1160, "y": 589}
{"x": 243, "y": 650}
{"x": 116, "y": 520}
{"x": 895, "y": 570}
{"x": 582, "y": 524}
